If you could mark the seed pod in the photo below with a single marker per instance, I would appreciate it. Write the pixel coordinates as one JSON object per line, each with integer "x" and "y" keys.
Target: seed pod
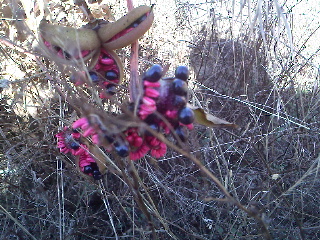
{"x": 99, "y": 157}
{"x": 186, "y": 116}
{"x": 105, "y": 70}
{"x": 64, "y": 43}
{"x": 182, "y": 72}
{"x": 127, "y": 29}
{"x": 153, "y": 74}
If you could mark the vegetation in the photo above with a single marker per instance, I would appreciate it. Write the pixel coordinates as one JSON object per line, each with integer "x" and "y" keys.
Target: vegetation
{"x": 252, "y": 63}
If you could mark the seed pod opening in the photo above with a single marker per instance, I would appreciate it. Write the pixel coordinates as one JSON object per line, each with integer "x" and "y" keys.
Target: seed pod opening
{"x": 127, "y": 29}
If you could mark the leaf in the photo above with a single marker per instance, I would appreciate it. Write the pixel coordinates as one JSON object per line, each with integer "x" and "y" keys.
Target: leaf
{"x": 208, "y": 120}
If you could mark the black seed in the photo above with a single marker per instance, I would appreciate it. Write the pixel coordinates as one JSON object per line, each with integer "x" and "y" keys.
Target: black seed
{"x": 182, "y": 72}
{"x": 94, "y": 77}
{"x": 110, "y": 139}
{"x": 66, "y": 55}
{"x": 105, "y": 57}
{"x": 94, "y": 166}
{"x": 179, "y": 87}
{"x": 73, "y": 78}
{"x": 130, "y": 106}
{"x": 152, "y": 119}
{"x": 111, "y": 75}
{"x": 181, "y": 133}
{"x": 141, "y": 19}
{"x": 153, "y": 74}
{"x": 179, "y": 102}
{"x": 111, "y": 89}
{"x": 154, "y": 127}
{"x": 121, "y": 148}
{"x": 74, "y": 145}
{"x": 57, "y": 48}
{"x": 186, "y": 116}
{"x": 96, "y": 175}
{"x": 87, "y": 169}
{"x": 134, "y": 25}
{"x": 138, "y": 21}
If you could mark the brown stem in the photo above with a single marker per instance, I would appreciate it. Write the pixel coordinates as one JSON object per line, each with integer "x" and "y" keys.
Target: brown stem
{"x": 134, "y": 83}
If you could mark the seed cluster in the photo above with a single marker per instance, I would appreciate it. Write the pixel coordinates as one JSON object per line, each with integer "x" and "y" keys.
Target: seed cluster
{"x": 162, "y": 107}
{"x": 105, "y": 75}
{"x": 69, "y": 141}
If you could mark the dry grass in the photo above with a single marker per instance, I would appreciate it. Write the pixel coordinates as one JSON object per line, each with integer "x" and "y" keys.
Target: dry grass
{"x": 255, "y": 64}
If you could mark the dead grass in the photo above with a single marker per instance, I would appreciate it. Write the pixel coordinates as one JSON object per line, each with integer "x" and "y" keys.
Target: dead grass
{"x": 255, "y": 64}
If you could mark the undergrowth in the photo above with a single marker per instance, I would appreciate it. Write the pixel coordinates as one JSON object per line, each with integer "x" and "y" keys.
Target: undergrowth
{"x": 253, "y": 63}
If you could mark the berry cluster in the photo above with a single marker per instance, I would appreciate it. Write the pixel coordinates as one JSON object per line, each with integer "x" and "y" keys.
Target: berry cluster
{"x": 162, "y": 107}
{"x": 69, "y": 141}
{"x": 105, "y": 75}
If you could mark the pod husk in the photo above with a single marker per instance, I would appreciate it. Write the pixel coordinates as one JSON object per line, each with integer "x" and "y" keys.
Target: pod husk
{"x": 107, "y": 31}
{"x": 116, "y": 59}
{"x": 69, "y": 39}
{"x": 118, "y": 62}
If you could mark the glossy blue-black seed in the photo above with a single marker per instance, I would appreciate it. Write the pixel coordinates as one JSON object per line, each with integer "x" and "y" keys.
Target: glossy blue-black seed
{"x": 74, "y": 145}
{"x": 179, "y": 87}
{"x": 87, "y": 169}
{"x": 154, "y": 127}
{"x": 110, "y": 139}
{"x": 111, "y": 89}
{"x": 153, "y": 74}
{"x": 138, "y": 21}
{"x": 182, "y": 72}
{"x": 122, "y": 149}
{"x": 66, "y": 55}
{"x": 94, "y": 77}
{"x": 179, "y": 102}
{"x": 57, "y": 48}
{"x": 73, "y": 78}
{"x": 96, "y": 175}
{"x": 111, "y": 75}
{"x": 94, "y": 166}
{"x": 186, "y": 116}
{"x": 181, "y": 133}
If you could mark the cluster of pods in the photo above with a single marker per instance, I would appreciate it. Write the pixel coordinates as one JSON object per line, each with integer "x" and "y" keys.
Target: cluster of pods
{"x": 163, "y": 108}
{"x": 93, "y": 46}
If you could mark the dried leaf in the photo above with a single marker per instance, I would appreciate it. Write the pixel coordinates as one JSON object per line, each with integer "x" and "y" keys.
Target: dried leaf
{"x": 208, "y": 120}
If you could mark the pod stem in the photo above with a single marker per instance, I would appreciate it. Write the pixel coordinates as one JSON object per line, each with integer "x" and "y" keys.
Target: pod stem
{"x": 134, "y": 83}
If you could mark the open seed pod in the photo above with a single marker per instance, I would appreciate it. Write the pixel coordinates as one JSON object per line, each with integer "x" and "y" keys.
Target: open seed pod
{"x": 106, "y": 73}
{"x": 127, "y": 29}
{"x": 66, "y": 44}
{"x": 109, "y": 60}
{"x": 98, "y": 167}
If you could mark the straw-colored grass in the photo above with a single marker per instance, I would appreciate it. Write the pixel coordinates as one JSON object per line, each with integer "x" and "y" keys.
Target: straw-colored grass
{"x": 253, "y": 63}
